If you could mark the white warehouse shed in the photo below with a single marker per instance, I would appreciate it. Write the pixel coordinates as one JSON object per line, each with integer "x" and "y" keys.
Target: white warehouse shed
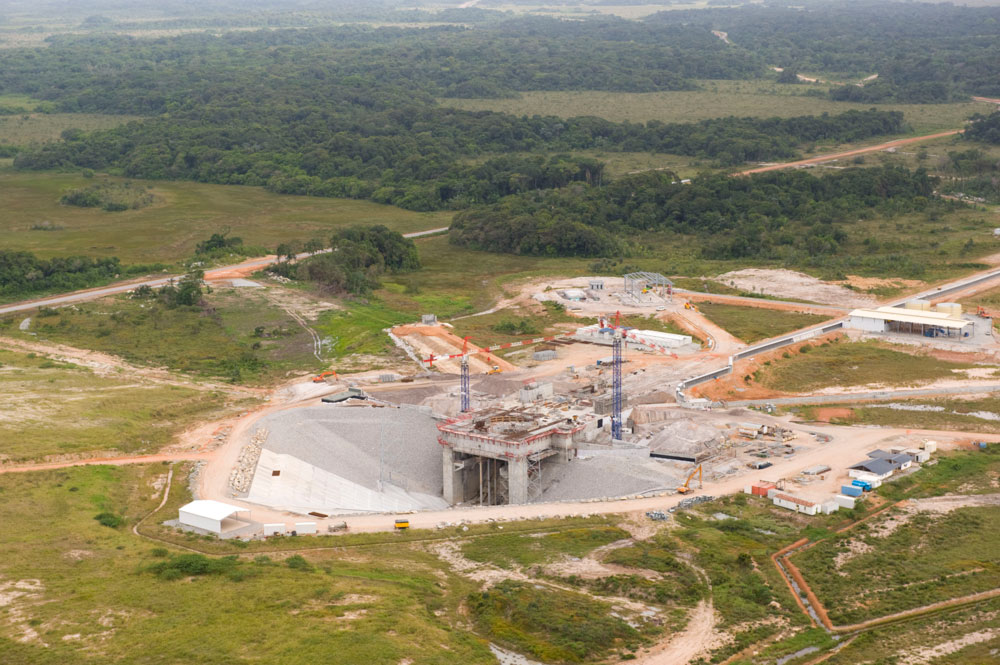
{"x": 212, "y": 516}
{"x": 901, "y": 320}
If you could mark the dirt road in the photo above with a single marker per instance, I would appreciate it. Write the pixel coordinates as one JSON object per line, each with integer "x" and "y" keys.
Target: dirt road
{"x": 113, "y": 461}
{"x": 849, "y": 153}
{"x": 226, "y": 272}
{"x": 104, "y": 364}
{"x": 685, "y": 647}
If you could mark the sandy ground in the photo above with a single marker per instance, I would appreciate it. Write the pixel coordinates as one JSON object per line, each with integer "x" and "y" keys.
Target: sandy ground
{"x": 791, "y": 284}
{"x": 681, "y": 649}
{"x": 440, "y": 341}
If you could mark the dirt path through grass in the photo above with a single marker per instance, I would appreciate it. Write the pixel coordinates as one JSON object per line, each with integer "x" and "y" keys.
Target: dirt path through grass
{"x": 850, "y": 153}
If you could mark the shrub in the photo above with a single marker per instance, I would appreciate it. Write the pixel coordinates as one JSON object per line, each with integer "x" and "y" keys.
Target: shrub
{"x": 297, "y": 562}
{"x": 109, "y": 520}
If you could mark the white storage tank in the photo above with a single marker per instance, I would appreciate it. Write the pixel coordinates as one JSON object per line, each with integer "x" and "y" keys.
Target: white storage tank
{"x": 952, "y": 308}
{"x": 922, "y": 305}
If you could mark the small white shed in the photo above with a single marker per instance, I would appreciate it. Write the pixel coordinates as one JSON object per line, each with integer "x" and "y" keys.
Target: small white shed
{"x": 213, "y": 516}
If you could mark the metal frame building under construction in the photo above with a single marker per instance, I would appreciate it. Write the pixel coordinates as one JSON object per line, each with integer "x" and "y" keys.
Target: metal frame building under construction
{"x": 636, "y": 283}
{"x": 494, "y": 456}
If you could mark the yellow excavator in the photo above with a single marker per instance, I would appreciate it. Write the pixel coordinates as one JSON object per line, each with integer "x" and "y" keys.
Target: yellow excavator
{"x": 684, "y": 489}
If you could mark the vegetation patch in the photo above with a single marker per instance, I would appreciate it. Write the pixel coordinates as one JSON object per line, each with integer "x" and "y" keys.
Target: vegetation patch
{"x": 961, "y": 415}
{"x": 357, "y": 329}
{"x": 508, "y": 549}
{"x": 552, "y": 625}
{"x": 55, "y": 408}
{"x": 929, "y": 559}
{"x": 110, "y": 196}
{"x": 123, "y": 596}
{"x": 207, "y": 334}
{"x": 840, "y": 363}
{"x": 752, "y": 324}
{"x": 189, "y": 214}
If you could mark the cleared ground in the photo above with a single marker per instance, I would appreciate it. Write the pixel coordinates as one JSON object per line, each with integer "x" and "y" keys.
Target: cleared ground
{"x": 186, "y": 214}
{"x": 52, "y": 407}
{"x": 716, "y": 99}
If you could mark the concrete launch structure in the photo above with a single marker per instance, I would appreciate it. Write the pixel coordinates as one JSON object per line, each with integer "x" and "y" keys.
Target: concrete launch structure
{"x": 495, "y": 455}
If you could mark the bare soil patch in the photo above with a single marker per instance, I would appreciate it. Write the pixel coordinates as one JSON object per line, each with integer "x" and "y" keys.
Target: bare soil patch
{"x": 828, "y": 414}
{"x": 791, "y": 284}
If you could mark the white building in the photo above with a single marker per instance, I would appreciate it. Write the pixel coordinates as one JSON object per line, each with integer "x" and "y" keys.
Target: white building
{"x": 212, "y": 516}
{"x": 878, "y": 469}
{"x": 911, "y": 321}
{"x": 795, "y": 503}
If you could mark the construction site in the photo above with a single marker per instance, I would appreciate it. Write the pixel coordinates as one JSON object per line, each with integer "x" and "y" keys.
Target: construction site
{"x": 597, "y": 412}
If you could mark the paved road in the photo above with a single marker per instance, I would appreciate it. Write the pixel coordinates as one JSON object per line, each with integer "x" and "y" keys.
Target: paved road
{"x": 122, "y": 287}
{"x": 934, "y": 293}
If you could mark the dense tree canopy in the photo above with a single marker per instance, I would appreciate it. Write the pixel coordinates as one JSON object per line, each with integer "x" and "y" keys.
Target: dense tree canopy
{"x": 735, "y": 217}
{"x": 357, "y": 256}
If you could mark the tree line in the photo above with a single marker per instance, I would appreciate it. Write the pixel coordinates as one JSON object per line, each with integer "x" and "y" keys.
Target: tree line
{"x": 762, "y": 216}
{"x": 922, "y": 52}
{"x": 353, "y": 261}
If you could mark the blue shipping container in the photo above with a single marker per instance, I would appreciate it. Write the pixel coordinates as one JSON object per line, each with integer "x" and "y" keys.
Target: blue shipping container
{"x": 850, "y": 490}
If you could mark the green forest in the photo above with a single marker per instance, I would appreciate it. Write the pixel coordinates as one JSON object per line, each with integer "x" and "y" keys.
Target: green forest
{"x": 351, "y": 109}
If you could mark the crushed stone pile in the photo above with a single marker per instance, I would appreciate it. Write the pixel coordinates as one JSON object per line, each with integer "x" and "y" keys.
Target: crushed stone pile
{"x": 242, "y": 474}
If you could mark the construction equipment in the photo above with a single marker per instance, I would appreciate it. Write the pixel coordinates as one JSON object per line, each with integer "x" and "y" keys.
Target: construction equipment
{"x": 401, "y": 524}
{"x": 495, "y": 369}
{"x": 322, "y": 377}
{"x": 981, "y": 311}
{"x": 684, "y": 489}
{"x": 690, "y": 305}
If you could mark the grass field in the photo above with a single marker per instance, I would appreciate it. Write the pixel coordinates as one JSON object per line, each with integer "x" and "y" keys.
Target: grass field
{"x": 556, "y": 626}
{"x": 957, "y": 637}
{"x": 752, "y": 324}
{"x": 963, "y": 415}
{"x": 716, "y": 99}
{"x": 24, "y": 130}
{"x": 96, "y": 595}
{"x": 841, "y": 363}
{"x": 508, "y": 549}
{"x": 56, "y": 408}
{"x": 218, "y": 339}
{"x": 931, "y": 558}
{"x": 186, "y": 214}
